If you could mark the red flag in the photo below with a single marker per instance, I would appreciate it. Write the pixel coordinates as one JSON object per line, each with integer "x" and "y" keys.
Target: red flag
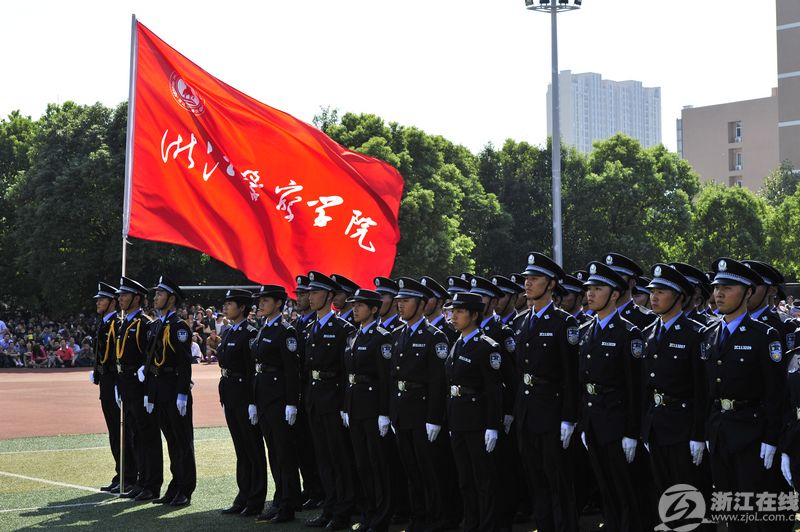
{"x": 265, "y": 193}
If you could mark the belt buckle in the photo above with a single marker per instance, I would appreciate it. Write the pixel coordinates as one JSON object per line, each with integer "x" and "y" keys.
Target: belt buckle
{"x": 315, "y": 374}
{"x": 455, "y": 390}
{"x": 119, "y": 367}
{"x": 590, "y": 388}
{"x": 351, "y": 378}
{"x": 727, "y": 404}
{"x": 658, "y": 398}
{"x": 401, "y": 385}
{"x": 527, "y": 378}
{"x": 258, "y": 367}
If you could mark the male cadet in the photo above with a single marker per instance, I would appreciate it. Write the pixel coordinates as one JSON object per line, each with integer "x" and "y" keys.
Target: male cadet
{"x": 641, "y": 294}
{"x": 418, "y": 402}
{"x": 105, "y": 374}
{"x": 277, "y": 390}
{"x": 346, "y": 290}
{"x": 238, "y": 402}
{"x": 433, "y": 308}
{"x": 609, "y": 369}
{"x": 307, "y": 459}
{"x": 546, "y": 408}
{"x": 746, "y": 380}
{"x": 582, "y": 275}
{"x": 758, "y": 306}
{"x": 674, "y": 386}
{"x": 506, "y": 305}
{"x": 521, "y": 304}
{"x": 695, "y": 308}
{"x": 131, "y": 342}
{"x": 168, "y": 372}
{"x": 629, "y": 271}
{"x": 387, "y": 288}
{"x": 324, "y": 362}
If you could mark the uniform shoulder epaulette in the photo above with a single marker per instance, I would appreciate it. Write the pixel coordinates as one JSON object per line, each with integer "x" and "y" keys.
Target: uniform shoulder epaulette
{"x": 695, "y": 325}
{"x": 381, "y": 330}
{"x": 432, "y": 329}
{"x": 145, "y": 317}
{"x": 398, "y": 328}
{"x": 489, "y": 341}
{"x": 251, "y": 328}
{"x": 650, "y": 327}
{"x": 762, "y": 326}
{"x": 587, "y": 323}
{"x": 561, "y": 313}
{"x": 629, "y": 325}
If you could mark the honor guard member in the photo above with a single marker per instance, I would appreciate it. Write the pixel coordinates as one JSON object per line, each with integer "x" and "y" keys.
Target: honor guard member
{"x": 506, "y": 305}
{"x": 312, "y": 494}
{"x": 582, "y": 276}
{"x": 572, "y": 300}
{"x": 609, "y": 370}
{"x": 456, "y": 284}
{"x": 695, "y": 309}
{"x": 673, "y": 424}
{"x": 746, "y": 380}
{"x": 346, "y": 290}
{"x": 105, "y": 375}
{"x": 238, "y": 402}
{"x": 366, "y": 360}
{"x": 474, "y": 412}
{"x": 417, "y": 403}
{"x": 131, "y": 345}
{"x": 641, "y": 294}
{"x": 759, "y": 308}
{"x": 790, "y": 437}
{"x": 433, "y": 308}
{"x": 521, "y": 304}
{"x": 168, "y": 372}
{"x": 387, "y": 288}
{"x": 324, "y": 362}
{"x": 546, "y": 408}
{"x": 630, "y": 271}
{"x": 277, "y": 389}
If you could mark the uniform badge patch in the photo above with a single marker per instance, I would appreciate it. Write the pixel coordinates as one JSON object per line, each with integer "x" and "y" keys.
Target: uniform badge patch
{"x": 775, "y": 351}
{"x": 183, "y": 335}
{"x": 573, "y": 335}
{"x": 291, "y": 344}
{"x": 441, "y": 350}
{"x": 494, "y": 360}
{"x": 637, "y": 348}
{"x": 510, "y": 344}
{"x": 790, "y": 341}
{"x": 386, "y": 351}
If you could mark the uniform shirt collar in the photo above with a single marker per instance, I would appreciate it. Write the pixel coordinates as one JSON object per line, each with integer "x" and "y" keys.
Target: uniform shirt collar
{"x": 108, "y": 316}
{"x": 324, "y": 319}
{"x": 437, "y": 319}
{"x": 165, "y": 317}
{"x": 390, "y": 319}
{"x": 624, "y": 307}
{"x": 507, "y": 319}
{"x": 669, "y": 324}
{"x": 345, "y": 315}
{"x": 605, "y": 320}
{"x": 469, "y": 337}
{"x": 307, "y": 317}
{"x": 133, "y": 314}
{"x": 271, "y": 322}
{"x": 578, "y": 313}
{"x": 486, "y": 320}
{"x": 366, "y": 327}
{"x": 735, "y": 323}
{"x": 416, "y": 325}
{"x": 237, "y": 326}
{"x": 758, "y": 312}
{"x": 541, "y": 312}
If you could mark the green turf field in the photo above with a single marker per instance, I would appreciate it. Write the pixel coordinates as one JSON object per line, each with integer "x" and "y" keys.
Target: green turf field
{"x": 80, "y": 464}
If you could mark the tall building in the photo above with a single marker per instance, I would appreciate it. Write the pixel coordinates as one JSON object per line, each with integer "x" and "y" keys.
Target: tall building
{"x": 740, "y": 143}
{"x": 593, "y": 108}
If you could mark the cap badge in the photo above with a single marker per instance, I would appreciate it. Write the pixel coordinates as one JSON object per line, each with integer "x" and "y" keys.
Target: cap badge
{"x": 531, "y": 259}
{"x": 494, "y": 281}
{"x": 657, "y": 271}
{"x": 722, "y": 265}
{"x": 424, "y": 282}
{"x": 593, "y": 269}
{"x": 401, "y": 283}
{"x": 311, "y": 276}
{"x": 609, "y": 260}
{"x": 474, "y": 283}
{"x": 377, "y": 282}
{"x": 450, "y": 282}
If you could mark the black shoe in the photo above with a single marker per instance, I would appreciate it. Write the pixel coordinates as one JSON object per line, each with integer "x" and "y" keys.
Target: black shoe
{"x": 145, "y": 495}
{"x": 233, "y": 510}
{"x": 132, "y": 493}
{"x": 337, "y": 524}
{"x": 248, "y": 511}
{"x": 114, "y": 486}
{"x": 311, "y": 504}
{"x": 318, "y": 522}
{"x": 271, "y": 512}
{"x": 284, "y": 517}
{"x": 166, "y": 499}
{"x": 180, "y": 500}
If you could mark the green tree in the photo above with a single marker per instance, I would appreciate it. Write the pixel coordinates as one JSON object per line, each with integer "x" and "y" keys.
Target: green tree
{"x": 780, "y": 184}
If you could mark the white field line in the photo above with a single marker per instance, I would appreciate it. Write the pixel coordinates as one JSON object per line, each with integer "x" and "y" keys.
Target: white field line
{"x": 53, "y": 482}
{"x": 59, "y": 506}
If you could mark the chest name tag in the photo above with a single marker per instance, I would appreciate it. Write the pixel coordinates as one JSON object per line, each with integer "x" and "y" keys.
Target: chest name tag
{"x": 330, "y": 336}
{"x": 743, "y": 348}
{"x": 415, "y": 346}
{"x": 545, "y": 334}
{"x": 464, "y": 359}
{"x": 609, "y": 344}
{"x": 362, "y": 348}
{"x": 231, "y": 344}
{"x": 268, "y": 340}
{"x": 677, "y": 346}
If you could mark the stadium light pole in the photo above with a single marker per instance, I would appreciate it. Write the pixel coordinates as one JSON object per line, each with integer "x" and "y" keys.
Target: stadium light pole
{"x": 554, "y": 7}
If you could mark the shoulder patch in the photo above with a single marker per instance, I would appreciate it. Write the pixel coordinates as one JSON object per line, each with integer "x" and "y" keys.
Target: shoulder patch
{"x": 489, "y": 340}
{"x": 441, "y": 350}
{"x": 494, "y": 360}
{"x": 775, "y": 351}
{"x": 637, "y": 348}
{"x": 510, "y": 344}
{"x": 291, "y": 344}
{"x": 573, "y": 335}
{"x": 386, "y": 351}
{"x": 183, "y": 335}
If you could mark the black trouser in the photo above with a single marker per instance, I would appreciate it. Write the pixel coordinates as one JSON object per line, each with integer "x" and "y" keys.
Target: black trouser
{"x": 452, "y": 505}
{"x": 282, "y": 456}
{"x": 251, "y": 462}
{"x": 400, "y": 504}
{"x": 477, "y": 480}
{"x": 146, "y": 439}
{"x": 179, "y": 433}
{"x": 550, "y": 473}
{"x": 419, "y": 457}
{"x": 111, "y": 415}
{"x": 615, "y": 478}
{"x": 335, "y": 466}
{"x": 306, "y": 456}
{"x": 373, "y": 471}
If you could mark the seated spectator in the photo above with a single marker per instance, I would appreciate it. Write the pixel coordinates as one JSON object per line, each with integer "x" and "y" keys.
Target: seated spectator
{"x": 39, "y": 356}
{"x": 29, "y": 363}
{"x": 221, "y": 323}
{"x": 212, "y": 344}
{"x": 72, "y": 345}
{"x": 84, "y": 358}
{"x": 64, "y": 355}
{"x": 14, "y": 355}
{"x": 197, "y": 354}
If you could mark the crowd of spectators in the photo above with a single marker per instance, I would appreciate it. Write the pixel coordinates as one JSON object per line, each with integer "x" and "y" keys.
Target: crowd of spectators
{"x": 29, "y": 340}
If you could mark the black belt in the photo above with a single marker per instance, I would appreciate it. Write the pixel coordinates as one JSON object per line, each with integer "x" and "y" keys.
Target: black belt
{"x": 263, "y": 368}
{"x": 408, "y": 385}
{"x": 318, "y": 375}
{"x": 594, "y": 389}
{"x": 456, "y": 390}
{"x": 161, "y": 371}
{"x": 734, "y": 404}
{"x": 230, "y": 374}
{"x": 352, "y": 378}
{"x": 124, "y": 368}
{"x": 662, "y": 399}
{"x": 533, "y": 380}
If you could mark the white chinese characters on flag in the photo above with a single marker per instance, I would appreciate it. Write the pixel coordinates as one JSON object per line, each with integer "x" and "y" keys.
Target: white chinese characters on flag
{"x": 270, "y": 195}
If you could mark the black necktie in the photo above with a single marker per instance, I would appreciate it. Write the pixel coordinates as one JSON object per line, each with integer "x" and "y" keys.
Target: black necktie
{"x": 723, "y": 335}
{"x": 532, "y": 321}
{"x": 661, "y": 332}
{"x": 596, "y": 331}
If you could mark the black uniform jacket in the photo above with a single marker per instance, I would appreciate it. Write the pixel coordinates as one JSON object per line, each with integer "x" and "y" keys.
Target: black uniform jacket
{"x": 366, "y": 361}
{"x": 475, "y": 394}
{"x": 276, "y": 363}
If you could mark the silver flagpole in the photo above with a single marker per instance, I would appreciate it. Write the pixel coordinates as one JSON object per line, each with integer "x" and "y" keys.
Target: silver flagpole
{"x": 126, "y": 215}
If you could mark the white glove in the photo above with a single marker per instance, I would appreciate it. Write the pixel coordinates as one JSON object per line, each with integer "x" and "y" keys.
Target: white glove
{"x": 252, "y": 413}
{"x": 91, "y": 376}
{"x": 629, "y": 448}
{"x": 490, "y": 437}
{"x": 785, "y": 468}
{"x": 433, "y": 431}
{"x": 696, "y": 449}
{"x": 148, "y": 406}
{"x": 646, "y": 446}
{"x": 345, "y": 419}
{"x": 117, "y": 398}
{"x": 181, "y": 402}
{"x": 140, "y": 373}
{"x": 708, "y": 446}
{"x": 507, "y": 421}
{"x": 583, "y": 439}
{"x": 567, "y": 429}
{"x": 291, "y": 414}
{"x": 383, "y": 425}
{"x": 768, "y": 454}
